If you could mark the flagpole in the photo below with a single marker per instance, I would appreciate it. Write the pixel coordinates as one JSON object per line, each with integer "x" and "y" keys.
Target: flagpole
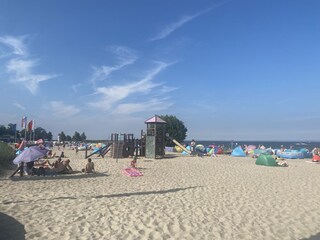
{"x": 24, "y": 126}
{"x": 34, "y": 129}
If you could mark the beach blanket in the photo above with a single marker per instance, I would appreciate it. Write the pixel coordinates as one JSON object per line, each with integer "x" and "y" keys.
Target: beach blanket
{"x": 132, "y": 172}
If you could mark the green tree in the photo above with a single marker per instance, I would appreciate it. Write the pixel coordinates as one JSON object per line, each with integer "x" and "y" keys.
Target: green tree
{"x": 68, "y": 138}
{"x": 12, "y": 128}
{"x": 7, "y": 154}
{"x": 22, "y": 133}
{"x": 49, "y": 136}
{"x": 7, "y": 131}
{"x": 83, "y": 136}
{"x": 40, "y": 133}
{"x": 175, "y": 128}
{"x": 62, "y": 137}
{"x": 3, "y": 130}
{"x": 76, "y": 137}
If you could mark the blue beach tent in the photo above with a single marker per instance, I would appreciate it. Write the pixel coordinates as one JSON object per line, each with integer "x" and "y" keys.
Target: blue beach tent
{"x": 238, "y": 152}
{"x": 184, "y": 152}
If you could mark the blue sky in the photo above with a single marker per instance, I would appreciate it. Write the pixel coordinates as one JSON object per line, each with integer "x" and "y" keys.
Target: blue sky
{"x": 241, "y": 69}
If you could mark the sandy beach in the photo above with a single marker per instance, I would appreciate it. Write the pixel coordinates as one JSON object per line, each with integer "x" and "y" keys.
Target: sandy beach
{"x": 179, "y": 197}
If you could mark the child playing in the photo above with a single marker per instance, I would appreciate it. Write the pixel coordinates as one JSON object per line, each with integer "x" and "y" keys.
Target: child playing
{"x": 134, "y": 162}
{"x": 89, "y": 168}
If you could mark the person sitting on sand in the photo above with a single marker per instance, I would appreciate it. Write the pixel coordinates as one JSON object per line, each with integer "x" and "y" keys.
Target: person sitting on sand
{"x": 134, "y": 162}
{"x": 50, "y": 154}
{"x": 62, "y": 155}
{"x": 56, "y": 163}
{"x": 89, "y": 168}
{"x": 64, "y": 167}
{"x": 60, "y": 166}
{"x": 282, "y": 163}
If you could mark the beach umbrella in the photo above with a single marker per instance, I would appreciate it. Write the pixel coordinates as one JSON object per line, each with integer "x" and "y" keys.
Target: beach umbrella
{"x": 31, "y": 154}
{"x": 200, "y": 147}
{"x": 251, "y": 147}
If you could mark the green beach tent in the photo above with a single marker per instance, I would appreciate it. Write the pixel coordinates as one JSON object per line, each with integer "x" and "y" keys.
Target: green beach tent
{"x": 266, "y": 160}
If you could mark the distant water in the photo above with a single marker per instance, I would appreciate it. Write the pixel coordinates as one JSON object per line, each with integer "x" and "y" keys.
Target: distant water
{"x": 267, "y": 144}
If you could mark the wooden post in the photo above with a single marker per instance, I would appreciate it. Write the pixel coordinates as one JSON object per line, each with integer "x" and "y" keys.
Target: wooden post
{"x": 21, "y": 169}
{"x": 15, "y": 171}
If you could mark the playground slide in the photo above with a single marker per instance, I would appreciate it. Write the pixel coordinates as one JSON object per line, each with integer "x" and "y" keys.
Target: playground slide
{"x": 181, "y": 146}
{"x": 101, "y": 151}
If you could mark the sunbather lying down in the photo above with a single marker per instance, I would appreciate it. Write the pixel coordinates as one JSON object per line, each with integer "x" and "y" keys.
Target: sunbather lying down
{"x": 282, "y": 163}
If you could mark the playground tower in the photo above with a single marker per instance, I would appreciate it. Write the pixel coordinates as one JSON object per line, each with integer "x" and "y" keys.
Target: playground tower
{"x": 155, "y": 139}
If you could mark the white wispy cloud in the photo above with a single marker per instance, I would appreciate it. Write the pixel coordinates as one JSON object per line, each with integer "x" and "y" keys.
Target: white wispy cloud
{"x": 178, "y": 24}
{"x": 21, "y": 71}
{"x": 76, "y": 86}
{"x": 152, "y": 105}
{"x": 172, "y": 27}
{"x": 61, "y": 110}
{"x": 124, "y": 56}
{"x": 16, "y": 44}
{"x": 18, "y": 105}
{"x": 111, "y": 96}
{"x": 167, "y": 89}
{"x": 20, "y": 67}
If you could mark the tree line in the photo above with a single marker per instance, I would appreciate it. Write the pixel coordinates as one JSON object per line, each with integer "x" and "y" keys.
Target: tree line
{"x": 174, "y": 127}
{"x": 77, "y": 137}
{"x": 10, "y": 133}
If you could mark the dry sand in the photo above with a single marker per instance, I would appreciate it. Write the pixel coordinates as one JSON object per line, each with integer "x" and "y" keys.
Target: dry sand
{"x": 180, "y": 197}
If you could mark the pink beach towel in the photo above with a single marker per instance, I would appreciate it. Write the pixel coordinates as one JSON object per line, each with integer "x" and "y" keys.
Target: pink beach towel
{"x": 132, "y": 172}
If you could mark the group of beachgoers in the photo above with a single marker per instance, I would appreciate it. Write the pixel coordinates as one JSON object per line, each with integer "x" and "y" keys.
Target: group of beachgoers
{"x": 50, "y": 164}
{"x": 250, "y": 150}
{"x": 44, "y": 167}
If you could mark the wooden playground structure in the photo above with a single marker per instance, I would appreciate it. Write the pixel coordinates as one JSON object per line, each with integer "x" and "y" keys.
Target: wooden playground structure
{"x": 121, "y": 146}
{"x": 150, "y": 145}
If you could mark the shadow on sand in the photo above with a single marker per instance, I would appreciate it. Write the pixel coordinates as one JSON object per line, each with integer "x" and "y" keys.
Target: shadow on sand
{"x": 75, "y": 175}
{"x": 10, "y": 228}
{"x": 313, "y": 237}
{"x": 144, "y": 193}
{"x": 173, "y": 155}
{"x": 37, "y": 200}
{"x": 118, "y": 195}
{"x": 147, "y": 160}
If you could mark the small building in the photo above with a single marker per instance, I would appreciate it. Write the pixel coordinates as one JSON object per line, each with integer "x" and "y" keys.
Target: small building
{"x": 155, "y": 137}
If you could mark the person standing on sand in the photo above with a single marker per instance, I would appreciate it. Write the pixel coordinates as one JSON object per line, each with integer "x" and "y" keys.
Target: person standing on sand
{"x": 77, "y": 150}
{"x": 193, "y": 146}
{"x": 315, "y": 151}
